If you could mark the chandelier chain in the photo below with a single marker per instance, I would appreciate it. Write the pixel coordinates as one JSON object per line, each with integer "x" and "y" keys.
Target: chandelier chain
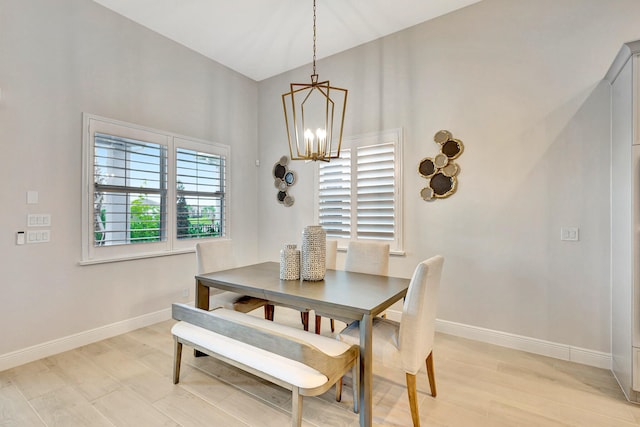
{"x": 314, "y": 37}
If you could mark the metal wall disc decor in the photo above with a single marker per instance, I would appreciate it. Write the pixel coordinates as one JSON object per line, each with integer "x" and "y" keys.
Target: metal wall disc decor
{"x": 441, "y": 171}
{"x": 283, "y": 179}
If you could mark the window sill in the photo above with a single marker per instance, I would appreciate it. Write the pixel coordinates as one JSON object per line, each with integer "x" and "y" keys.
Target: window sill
{"x": 135, "y": 257}
{"x": 396, "y": 252}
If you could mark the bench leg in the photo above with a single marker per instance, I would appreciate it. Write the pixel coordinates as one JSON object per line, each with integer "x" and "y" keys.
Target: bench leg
{"x": 177, "y": 357}
{"x": 355, "y": 385}
{"x": 296, "y": 407}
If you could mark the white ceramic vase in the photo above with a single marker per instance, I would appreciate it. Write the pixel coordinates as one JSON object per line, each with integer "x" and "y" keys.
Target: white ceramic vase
{"x": 314, "y": 248}
{"x": 289, "y": 263}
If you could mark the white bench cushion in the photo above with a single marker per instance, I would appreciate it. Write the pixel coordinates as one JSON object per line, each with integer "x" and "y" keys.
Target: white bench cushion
{"x": 287, "y": 370}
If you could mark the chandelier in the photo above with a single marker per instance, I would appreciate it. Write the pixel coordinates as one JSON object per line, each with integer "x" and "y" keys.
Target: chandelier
{"x": 314, "y": 115}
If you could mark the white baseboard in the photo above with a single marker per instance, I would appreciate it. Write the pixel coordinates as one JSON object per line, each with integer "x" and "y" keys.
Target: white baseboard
{"x": 504, "y": 339}
{"x": 518, "y": 342}
{"x": 29, "y": 354}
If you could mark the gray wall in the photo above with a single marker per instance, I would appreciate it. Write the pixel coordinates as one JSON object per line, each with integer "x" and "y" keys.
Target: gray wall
{"x": 57, "y": 60}
{"x": 520, "y": 83}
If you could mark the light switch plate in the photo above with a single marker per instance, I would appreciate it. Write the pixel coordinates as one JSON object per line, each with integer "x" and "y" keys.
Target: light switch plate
{"x": 38, "y": 236}
{"x": 38, "y": 220}
{"x": 32, "y": 197}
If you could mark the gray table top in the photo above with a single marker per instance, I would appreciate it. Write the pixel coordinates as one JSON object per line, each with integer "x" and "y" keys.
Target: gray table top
{"x": 342, "y": 293}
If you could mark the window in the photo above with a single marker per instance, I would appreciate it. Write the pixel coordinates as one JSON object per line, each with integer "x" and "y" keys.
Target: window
{"x": 359, "y": 194}
{"x": 148, "y": 192}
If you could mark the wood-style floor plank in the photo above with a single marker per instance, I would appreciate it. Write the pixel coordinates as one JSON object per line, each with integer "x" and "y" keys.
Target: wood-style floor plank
{"x": 188, "y": 409}
{"x": 80, "y": 372}
{"x": 66, "y": 407}
{"x": 125, "y": 407}
{"x": 15, "y": 410}
{"x": 127, "y": 380}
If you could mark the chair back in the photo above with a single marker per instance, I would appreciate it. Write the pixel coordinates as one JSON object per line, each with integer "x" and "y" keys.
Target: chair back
{"x": 331, "y": 254}
{"x": 417, "y": 326}
{"x": 214, "y": 255}
{"x": 367, "y": 257}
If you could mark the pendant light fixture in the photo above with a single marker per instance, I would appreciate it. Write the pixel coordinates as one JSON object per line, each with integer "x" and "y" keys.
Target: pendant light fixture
{"x": 314, "y": 115}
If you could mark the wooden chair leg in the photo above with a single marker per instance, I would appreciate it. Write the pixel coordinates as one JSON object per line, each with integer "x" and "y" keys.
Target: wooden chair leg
{"x": 318, "y": 324}
{"x": 177, "y": 357}
{"x": 431, "y": 374}
{"x": 413, "y": 399}
{"x": 269, "y": 311}
{"x": 339, "y": 390}
{"x": 304, "y": 316}
{"x": 296, "y": 407}
{"x": 333, "y": 326}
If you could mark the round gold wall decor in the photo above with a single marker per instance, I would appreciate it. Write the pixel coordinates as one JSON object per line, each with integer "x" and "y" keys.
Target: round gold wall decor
{"x": 426, "y": 193}
{"x": 442, "y": 186}
{"x": 440, "y": 160}
{"x": 441, "y": 171}
{"x": 452, "y": 148}
{"x": 426, "y": 168}
{"x": 451, "y": 169}
{"x": 442, "y": 136}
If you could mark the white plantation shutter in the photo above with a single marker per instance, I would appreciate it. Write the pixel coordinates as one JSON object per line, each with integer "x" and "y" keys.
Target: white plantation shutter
{"x": 335, "y": 196}
{"x": 375, "y": 192}
{"x": 358, "y": 194}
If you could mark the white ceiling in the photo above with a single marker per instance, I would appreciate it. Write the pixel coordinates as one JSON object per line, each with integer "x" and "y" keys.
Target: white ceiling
{"x": 262, "y": 38}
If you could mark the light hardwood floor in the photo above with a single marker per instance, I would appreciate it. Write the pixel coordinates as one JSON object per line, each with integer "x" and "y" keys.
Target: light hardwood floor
{"x": 126, "y": 381}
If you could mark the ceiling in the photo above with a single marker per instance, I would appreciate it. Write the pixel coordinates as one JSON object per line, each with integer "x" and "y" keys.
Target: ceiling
{"x": 263, "y": 38}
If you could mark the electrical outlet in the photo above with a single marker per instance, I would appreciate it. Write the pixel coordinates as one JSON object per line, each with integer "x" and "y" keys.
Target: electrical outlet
{"x": 571, "y": 234}
{"x": 185, "y": 293}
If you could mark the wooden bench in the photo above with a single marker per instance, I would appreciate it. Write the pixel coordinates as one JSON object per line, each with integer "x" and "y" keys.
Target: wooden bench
{"x": 305, "y": 363}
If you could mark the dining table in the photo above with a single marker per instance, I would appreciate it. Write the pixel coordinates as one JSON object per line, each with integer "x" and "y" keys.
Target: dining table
{"x": 342, "y": 294}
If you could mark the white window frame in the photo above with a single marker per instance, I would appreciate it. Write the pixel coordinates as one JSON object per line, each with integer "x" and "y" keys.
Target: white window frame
{"x": 92, "y": 254}
{"x": 352, "y": 143}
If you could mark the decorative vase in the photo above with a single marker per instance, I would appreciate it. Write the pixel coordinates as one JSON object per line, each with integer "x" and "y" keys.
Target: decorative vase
{"x": 314, "y": 247}
{"x": 289, "y": 263}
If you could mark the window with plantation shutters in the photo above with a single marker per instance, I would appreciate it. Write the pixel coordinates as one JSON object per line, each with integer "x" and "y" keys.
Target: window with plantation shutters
{"x": 148, "y": 192}
{"x": 129, "y": 196}
{"x": 359, "y": 194}
{"x": 200, "y": 188}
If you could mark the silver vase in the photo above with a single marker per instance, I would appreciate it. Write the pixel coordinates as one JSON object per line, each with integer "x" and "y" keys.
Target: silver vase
{"x": 314, "y": 251}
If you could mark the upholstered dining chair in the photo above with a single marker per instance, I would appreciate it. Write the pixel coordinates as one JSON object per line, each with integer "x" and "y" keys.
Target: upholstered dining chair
{"x": 216, "y": 256}
{"x": 331, "y": 254}
{"x": 406, "y": 344}
{"x": 363, "y": 257}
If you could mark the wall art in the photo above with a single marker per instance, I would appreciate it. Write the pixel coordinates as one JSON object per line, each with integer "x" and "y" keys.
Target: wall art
{"x": 441, "y": 171}
{"x": 283, "y": 179}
